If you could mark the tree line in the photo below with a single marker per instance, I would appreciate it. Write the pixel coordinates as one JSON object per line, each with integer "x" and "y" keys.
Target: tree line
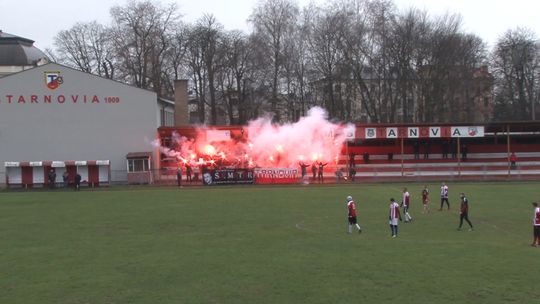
{"x": 361, "y": 60}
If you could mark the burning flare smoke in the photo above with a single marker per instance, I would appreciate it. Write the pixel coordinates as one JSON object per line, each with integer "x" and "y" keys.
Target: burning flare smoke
{"x": 312, "y": 139}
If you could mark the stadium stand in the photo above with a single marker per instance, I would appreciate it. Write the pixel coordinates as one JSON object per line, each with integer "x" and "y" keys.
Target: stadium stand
{"x": 487, "y": 162}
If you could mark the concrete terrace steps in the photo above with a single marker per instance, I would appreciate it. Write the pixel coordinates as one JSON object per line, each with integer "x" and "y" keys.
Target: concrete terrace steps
{"x": 477, "y": 166}
{"x": 484, "y": 174}
{"x": 473, "y": 157}
{"x": 437, "y": 165}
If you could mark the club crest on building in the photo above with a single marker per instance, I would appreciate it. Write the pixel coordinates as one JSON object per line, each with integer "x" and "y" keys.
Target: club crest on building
{"x": 473, "y": 131}
{"x": 53, "y": 79}
{"x": 370, "y": 133}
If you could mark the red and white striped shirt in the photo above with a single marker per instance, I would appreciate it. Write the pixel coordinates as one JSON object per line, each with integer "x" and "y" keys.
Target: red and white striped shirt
{"x": 394, "y": 211}
{"x": 444, "y": 191}
{"x": 406, "y": 198}
{"x": 536, "y": 220}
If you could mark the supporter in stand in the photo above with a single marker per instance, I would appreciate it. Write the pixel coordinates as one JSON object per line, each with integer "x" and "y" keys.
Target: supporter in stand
{"x": 513, "y": 160}
{"x": 352, "y": 173}
{"x": 303, "y": 169}
{"x": 321, "y": 172}
{"x": 179, "y": 177}
{"x": 188, "y": 172}
{"x": 464, "y": 151}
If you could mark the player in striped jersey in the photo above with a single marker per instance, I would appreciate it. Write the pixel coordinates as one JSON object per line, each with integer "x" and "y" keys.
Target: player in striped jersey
{"x": 444, "y": 196}
{"x": 393, "y": 217}
{"x": 405, "y": 203}
{"x": 536, "y": 226}
{"x": 351, "y": 214}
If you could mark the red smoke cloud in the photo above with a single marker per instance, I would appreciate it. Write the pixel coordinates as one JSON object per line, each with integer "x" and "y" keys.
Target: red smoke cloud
{"x": 312, "y": 138}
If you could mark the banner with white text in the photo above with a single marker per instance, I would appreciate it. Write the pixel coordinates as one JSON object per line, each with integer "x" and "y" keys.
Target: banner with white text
{"x": 419, "y": 132}
{"x": 276, "y": 175}
{"x": 227, "y": 177}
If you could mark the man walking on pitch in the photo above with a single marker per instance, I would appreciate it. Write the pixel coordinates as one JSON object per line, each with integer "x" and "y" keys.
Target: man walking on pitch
{"x": 405, "y": 203}
{"x": 444, "y": 196}
{"x": 464, "y": 212}
{"x": 393, "y": 217}
{"x": 536, "y": 226}
{"x": 351, "y": 212}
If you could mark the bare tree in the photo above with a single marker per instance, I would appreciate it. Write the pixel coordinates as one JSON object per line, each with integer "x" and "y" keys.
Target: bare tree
{"x": 196, "y": 63}
{"x": 358, "y": 47}
{"x": 235, "y": 84}
{"x": 141, "y": 32}
{"x": 516, "y": 67}
{"x": 87, "y": 47}
{"x": 210, "y": 35}
{"x": 380, "y": 16}
{"x": 405, "y": 52}
{"x": 360, "y": 59}
{"x": 205, "y": 59}
{"x": 472, "y": 57}
{"x": 442, "y": 72}
{"x": 272, "y": 20}
{"x": 324, "y": 42}
{"x": 175, "y": 58}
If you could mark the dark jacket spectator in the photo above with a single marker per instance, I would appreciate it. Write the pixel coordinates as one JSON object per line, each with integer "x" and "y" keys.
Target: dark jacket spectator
{"x": 52, "y": 178}
{"x": 78, "y": 181}
{"x": 513, "y": 160}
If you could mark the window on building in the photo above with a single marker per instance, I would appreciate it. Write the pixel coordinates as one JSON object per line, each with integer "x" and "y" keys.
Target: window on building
{"x": 167, "y": 118}
{"x": 138, "y": 165}
{"x": 162, "y": 117}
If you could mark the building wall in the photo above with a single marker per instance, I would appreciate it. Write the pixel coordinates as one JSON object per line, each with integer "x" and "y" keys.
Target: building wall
{"x": 87, "y": 118}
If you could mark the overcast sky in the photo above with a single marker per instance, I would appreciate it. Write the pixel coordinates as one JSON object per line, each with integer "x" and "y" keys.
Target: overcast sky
{"x": 41, "y": 20}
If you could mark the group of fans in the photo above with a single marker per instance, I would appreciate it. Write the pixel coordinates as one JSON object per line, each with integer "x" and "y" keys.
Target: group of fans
{"x": 394, "y": 215}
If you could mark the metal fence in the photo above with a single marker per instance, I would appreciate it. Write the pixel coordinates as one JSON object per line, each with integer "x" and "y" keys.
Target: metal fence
{"x": 364, "y": 173}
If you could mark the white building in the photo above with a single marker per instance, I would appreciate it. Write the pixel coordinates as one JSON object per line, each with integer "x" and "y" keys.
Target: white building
{"x": 56, "y": 113}
{"x": 53, "y": 113}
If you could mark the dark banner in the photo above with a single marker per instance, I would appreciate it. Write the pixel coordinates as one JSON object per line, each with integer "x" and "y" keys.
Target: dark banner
{"x": 228, "y": 176}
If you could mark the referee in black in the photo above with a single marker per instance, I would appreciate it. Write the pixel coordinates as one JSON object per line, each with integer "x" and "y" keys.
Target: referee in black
{"x": 464, "y": 211}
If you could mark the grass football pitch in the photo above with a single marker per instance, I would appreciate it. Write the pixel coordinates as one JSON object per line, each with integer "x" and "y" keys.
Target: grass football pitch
{"x": 255, "y": 244}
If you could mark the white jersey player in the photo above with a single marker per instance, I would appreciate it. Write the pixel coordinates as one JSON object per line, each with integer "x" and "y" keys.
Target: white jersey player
{"x": 405, "y": 203}
{"x": 444, "y": 196}
{"x": 393, "y": 217}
